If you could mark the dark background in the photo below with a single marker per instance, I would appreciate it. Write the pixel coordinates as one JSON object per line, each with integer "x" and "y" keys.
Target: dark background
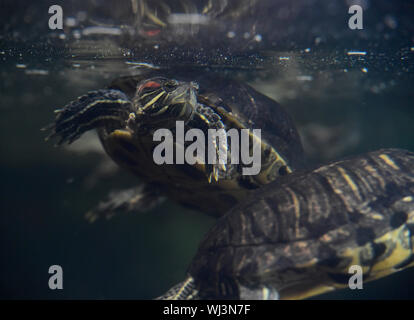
{"x": 340, "y": 110}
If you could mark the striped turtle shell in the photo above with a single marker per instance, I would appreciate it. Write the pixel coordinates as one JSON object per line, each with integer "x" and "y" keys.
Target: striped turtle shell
{"x": 302, "y": 236}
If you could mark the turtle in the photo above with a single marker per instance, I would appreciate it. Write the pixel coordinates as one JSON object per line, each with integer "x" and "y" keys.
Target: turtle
{"x": 130, "y": 111}
{"x": 299, "y": 236}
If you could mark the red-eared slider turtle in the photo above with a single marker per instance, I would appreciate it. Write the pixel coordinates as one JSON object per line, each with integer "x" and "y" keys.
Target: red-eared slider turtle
{"x": 298, "y": 237}
{"x": 131, "y": 109}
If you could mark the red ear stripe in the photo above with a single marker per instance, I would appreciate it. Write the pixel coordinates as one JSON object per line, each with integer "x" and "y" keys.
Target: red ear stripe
{"x": 151, "y": 33}
{"x": 149, "y": 84}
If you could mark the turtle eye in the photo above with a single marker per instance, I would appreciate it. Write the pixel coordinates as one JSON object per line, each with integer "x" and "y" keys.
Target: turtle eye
{"x": 171, "y": 84}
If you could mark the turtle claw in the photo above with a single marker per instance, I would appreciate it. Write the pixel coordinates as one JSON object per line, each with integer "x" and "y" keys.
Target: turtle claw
{"x": 213, "y": 175}
{"x": 215, "y": 171}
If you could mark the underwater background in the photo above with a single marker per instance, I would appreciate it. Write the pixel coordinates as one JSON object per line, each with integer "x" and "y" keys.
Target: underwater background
{"x": 349, "y": 92}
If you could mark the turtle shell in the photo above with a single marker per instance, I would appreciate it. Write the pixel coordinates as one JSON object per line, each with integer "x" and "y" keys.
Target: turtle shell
{"x": 242, "y": 106}
{"x": 239, "y": 106}
{"x": 301, "y": 234}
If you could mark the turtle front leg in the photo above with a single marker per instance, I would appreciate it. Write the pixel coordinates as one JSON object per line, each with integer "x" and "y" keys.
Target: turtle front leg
{"x": 96, "y": 109}
{"x": 207, "y": 118}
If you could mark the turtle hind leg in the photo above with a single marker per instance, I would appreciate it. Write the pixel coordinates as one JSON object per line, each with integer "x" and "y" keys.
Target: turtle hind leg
{"x": 259, "y": 293}
{"x": 140, "y": 199}
{"x": 95, "y": 109}
{"x": 185, "y": 290}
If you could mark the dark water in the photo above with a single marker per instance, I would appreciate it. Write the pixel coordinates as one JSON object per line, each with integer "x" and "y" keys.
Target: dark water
{"x": 297, "y": 53}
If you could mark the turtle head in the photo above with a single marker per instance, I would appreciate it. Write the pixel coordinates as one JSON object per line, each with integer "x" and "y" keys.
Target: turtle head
{"x": 163, "y": 101}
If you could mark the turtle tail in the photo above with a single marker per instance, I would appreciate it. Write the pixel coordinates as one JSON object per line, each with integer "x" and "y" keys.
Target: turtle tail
{"x": 95, "y": 109}
{"x": 185, "y": 290}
